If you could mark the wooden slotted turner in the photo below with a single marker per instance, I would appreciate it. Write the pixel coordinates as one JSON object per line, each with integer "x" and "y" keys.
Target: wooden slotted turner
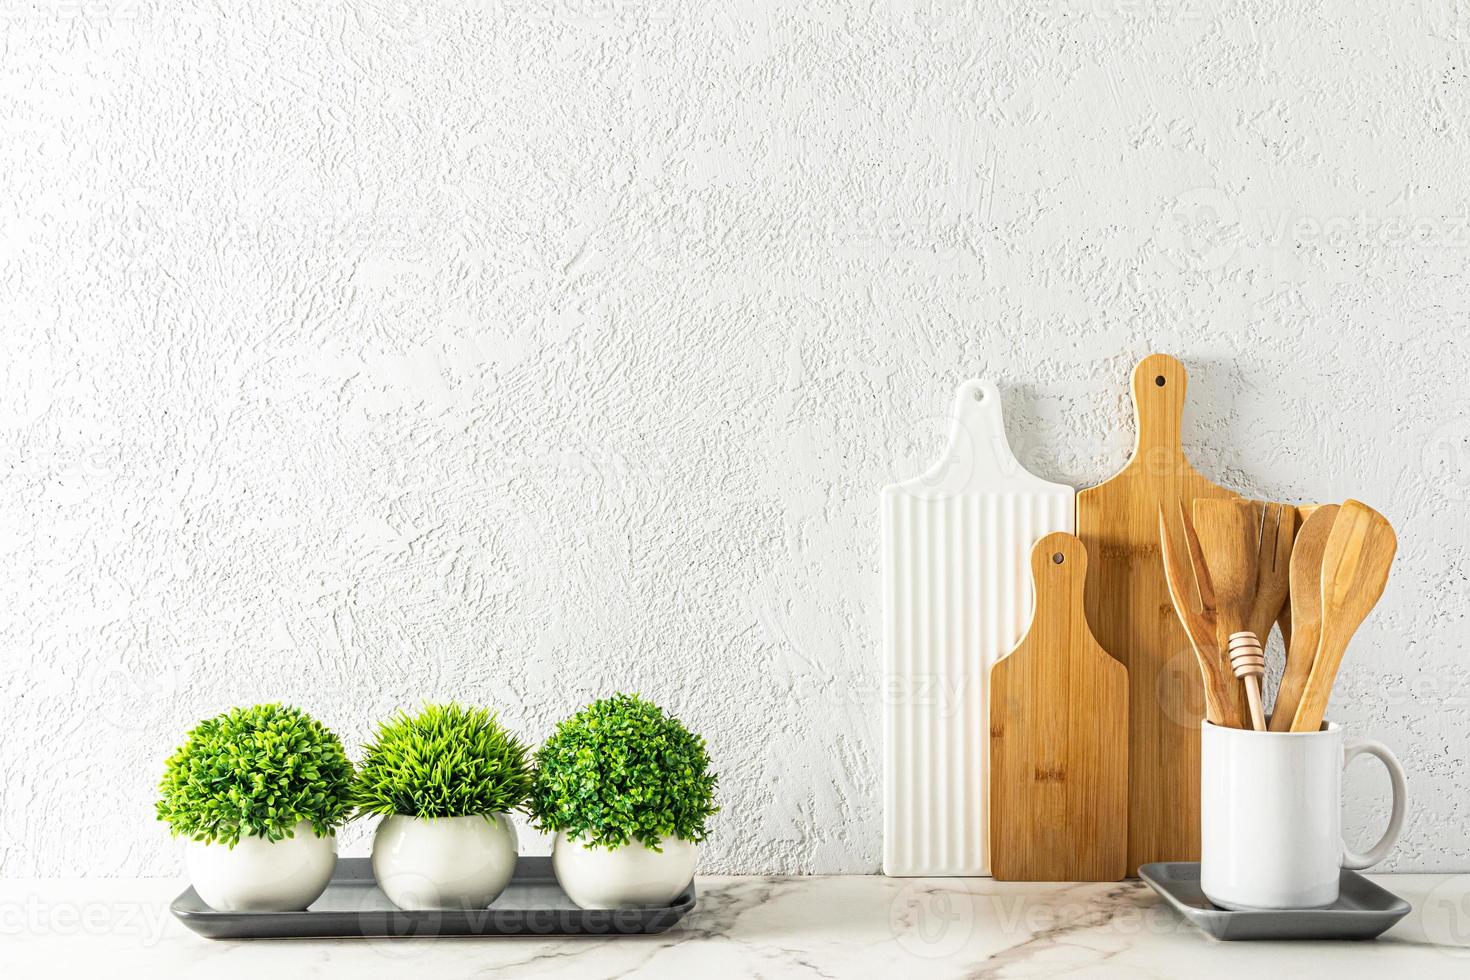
{"x": 1273, "y": 576}
{"x": 1355, "y": 563}
{"x": 1273, "y": 567}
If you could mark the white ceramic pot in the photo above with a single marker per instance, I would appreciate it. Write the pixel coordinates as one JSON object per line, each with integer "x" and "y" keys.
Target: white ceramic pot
{"x": 257, "y": 875}
{"x": 631, "y": 876}
{"x": 444, "y": 862}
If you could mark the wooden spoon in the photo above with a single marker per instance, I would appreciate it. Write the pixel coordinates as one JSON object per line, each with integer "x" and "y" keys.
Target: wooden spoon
{"x": 1194, "y": 602}
{"x": 1355, "y": 563}
{"x": 1230, "y": 538}
{"x": 1306, "y": 613}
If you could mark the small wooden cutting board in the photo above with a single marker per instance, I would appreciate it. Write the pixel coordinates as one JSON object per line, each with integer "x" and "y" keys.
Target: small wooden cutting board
{"x": 1130, "y": 612}
{"x": 1058, "y": 738}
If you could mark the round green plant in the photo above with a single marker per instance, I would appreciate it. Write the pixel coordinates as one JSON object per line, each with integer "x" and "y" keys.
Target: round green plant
{"x": 621, "y": 770}
{"x": 445, "y": 761}
{"x": 256, "y": 772}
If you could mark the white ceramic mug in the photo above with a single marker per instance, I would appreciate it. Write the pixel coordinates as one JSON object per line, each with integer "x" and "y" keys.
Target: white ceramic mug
{"x": 1271, "y": 816}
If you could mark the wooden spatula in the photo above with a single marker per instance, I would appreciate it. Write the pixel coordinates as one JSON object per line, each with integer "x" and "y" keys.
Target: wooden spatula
{"x": 1194, "y": 603}
{"x": 1355, "y": 563}
{"x": 1273, "y": 568}
{"x": 1284, "y": 620}
{"x": 1306, "y": 613}
{"x": 1230, "y": 539}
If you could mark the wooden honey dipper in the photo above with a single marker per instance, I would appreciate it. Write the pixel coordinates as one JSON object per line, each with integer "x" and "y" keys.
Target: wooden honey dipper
{"x": 1248, "y": 661}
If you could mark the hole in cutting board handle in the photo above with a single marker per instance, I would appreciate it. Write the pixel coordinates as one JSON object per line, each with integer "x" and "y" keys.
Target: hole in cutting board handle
{"x": 979, "y": 394}
{"x": 1058, "y": 558}
{"x": 1159, "y": 381}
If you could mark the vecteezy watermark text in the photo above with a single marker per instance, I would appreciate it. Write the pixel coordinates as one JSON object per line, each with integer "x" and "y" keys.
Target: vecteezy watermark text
{"x": 37, "y": 916}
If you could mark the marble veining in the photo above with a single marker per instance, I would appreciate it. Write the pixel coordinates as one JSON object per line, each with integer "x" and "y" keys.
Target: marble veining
{"x": 838, "y": 927}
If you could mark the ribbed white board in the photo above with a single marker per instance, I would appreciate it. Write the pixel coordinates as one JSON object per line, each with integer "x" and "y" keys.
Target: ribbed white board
{"x": 957, "y": 596}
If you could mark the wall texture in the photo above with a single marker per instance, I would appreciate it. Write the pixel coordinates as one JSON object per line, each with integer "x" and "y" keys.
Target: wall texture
{"x": 356, "y": 353}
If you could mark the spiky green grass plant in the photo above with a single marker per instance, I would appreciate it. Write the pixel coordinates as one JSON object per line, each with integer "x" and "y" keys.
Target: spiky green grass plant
{"x": 621, "y": 770}
{"x": 255, "y": 772}
{"x": 445, "y": 761}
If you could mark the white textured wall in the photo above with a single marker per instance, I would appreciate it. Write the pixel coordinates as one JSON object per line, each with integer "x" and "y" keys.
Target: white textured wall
{"x": 526, "y": 351}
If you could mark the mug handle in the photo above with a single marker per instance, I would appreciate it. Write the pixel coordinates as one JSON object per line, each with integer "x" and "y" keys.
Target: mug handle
{"x": 1355, "y": 747}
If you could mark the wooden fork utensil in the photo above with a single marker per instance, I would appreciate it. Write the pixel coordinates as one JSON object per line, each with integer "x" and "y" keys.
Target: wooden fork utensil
{"x": 1194, "y": 603}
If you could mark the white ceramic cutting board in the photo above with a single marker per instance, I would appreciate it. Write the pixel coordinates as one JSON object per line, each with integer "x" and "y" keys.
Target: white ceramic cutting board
{"x": 957, "y": 596}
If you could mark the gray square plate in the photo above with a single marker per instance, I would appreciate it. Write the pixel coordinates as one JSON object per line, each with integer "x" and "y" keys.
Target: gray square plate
{"x": 1362, "y": 911}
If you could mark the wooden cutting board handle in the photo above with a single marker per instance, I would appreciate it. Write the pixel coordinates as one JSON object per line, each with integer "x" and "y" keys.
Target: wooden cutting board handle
{"x": 1159, "y": 382}
{"x": 1059, "y": 738}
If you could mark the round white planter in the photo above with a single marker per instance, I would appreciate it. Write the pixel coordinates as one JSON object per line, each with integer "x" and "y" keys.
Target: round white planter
{"x": 257, "y": 875}
{"x": 630, "y": 876}
{"x": 444, "y": 862}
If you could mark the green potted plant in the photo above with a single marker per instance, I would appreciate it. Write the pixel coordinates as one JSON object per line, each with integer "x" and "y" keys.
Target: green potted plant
{"x": 259, "y": 792}
{"x": 627, "y": 791}
{"x": 444, "y": 781}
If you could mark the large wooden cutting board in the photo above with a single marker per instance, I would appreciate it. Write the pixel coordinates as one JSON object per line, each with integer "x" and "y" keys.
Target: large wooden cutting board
{"x": 1129, "y": 610}
{"x": 1059, "y": 738}
{"x": 956, "y": 597}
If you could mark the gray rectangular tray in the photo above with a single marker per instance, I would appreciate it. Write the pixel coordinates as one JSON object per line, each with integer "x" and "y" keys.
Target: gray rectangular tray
{"x": 1363, "y": 910}
{"x": 354, "y": 907}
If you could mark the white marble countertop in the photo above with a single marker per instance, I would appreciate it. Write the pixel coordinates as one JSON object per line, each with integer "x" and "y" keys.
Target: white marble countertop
{"x": 751, "y": 927}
